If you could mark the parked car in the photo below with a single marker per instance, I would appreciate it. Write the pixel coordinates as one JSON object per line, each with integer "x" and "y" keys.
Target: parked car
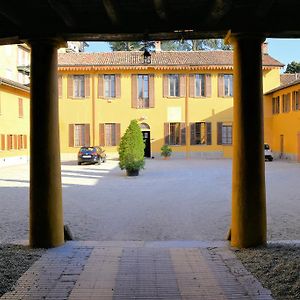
{"x": 93, "y": 155}
{"x": 268, "y": 153}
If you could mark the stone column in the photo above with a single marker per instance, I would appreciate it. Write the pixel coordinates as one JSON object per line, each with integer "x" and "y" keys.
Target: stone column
{"x": 46, "y": 212}
{"x": 248, "y": 226}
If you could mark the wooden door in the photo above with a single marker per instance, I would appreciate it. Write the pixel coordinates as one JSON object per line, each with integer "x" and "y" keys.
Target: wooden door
{"x": 298, "y": 146}
{"x": 281, "y": 146}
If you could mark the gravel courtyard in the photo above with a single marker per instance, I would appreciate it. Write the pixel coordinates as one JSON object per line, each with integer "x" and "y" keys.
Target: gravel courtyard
{"x": 171, "y": 200}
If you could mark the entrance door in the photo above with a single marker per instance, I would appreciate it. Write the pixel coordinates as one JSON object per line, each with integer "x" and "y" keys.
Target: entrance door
{"x": 298, "y": 158}
{"x": 146, "y": 137}
{"x": 281, "y": 146}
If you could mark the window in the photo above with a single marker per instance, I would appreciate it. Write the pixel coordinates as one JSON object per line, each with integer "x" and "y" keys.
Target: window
{"x": 143, "y": 91}
{"x": 175, "y": 133}
{"x": 200, "y": 85}
{"x": 109, "y": 134}
{"x": 200, "y": 133}
{"x": 9, "y": 138}
{"x": 275, "y": 105}
{"x": 224, "y": 133}
{"x": 20, "y": 108}
{"x": 79, "y": 135}
{"x": 109, "y": 86}
{"x": 225, "y": 85}
{"x": 78, "y": 86}
{"x": 174, "y": 85}
{"x": 22, "y": 141}
{"x": 296, "y": 100}
{"x": 286, "y": 102}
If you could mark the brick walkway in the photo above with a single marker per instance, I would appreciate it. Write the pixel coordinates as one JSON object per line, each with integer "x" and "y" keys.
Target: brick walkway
{"x": 138, "y": 270}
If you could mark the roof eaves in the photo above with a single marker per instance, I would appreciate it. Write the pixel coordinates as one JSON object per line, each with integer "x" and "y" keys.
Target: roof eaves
{"x": 281, "y": 87}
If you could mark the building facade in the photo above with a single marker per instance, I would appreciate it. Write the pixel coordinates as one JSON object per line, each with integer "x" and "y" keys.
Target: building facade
{"x": 183, "y": 99}
{"x": 282, "y": 120}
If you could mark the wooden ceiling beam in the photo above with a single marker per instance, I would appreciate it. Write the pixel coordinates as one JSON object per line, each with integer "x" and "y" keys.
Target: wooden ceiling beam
{"x": 63, "y": 12}
{"x": 264, "y": 8}
{"x": 161, "y": 9}
{"x": 218, "y": 10}
{"x": 11, "y": 15}
{"x": 112, "y": 11}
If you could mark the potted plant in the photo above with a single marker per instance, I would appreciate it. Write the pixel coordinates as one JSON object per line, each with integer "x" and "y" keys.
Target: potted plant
{"x": 166, "y": 151}
{"x": 131, "y": 150}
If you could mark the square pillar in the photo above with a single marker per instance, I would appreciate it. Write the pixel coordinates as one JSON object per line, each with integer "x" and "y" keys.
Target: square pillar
{"x": 46, "y": 212}
{"x": 248, "y": 228}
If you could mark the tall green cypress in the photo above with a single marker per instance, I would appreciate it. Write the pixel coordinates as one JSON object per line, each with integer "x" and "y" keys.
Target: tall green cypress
{"x": 131, "y": 149}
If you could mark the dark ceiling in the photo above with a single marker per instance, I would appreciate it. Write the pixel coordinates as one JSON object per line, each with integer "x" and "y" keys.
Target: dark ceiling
{"x": 145, "y": 19}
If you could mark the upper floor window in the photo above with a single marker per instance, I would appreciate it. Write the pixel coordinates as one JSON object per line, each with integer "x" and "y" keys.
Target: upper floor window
{"x": 174, "y": 85}
{"x": 225, "y": 85}
{"x": 78, "y": 86}
{"x": 275, "y": 105}
{"x": 200, "y": 85}
{"x": 142, "y": 87}
{"x": 296, "y": 100}
{"x": 200, "y": 133}
{"x": 109, "y": 86}
{"x": 286, "y": 102}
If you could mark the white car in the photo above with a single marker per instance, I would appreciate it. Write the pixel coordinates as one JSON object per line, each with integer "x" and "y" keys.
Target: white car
{"x": 268, "y": 153}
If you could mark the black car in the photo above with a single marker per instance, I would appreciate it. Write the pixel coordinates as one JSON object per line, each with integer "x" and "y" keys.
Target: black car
{"x": 93, "y": 155}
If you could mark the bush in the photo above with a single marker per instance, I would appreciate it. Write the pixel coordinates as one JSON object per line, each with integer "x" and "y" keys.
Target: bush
{"x": 166, "y": 151}
{"x": 131, "y": 149}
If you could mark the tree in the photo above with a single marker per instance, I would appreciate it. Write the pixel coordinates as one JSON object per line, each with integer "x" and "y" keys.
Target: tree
{"x": 293, "y": 67}
{"x": 173, "y": 45}
{"x": 131, "y": 149}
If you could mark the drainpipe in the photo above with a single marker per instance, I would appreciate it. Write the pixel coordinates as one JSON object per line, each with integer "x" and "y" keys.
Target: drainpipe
{"x": 93, "y": 109}
{"x": 187, "y": 128}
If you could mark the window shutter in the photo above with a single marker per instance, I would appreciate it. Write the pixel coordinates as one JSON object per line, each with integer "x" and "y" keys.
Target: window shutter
{"x": 192, "y": 130}
{"x": 87, "y": 134}
{"x": 167, "y": 133}
{"x": 71, "y": 135}
{"x": 165, "y": 85}
{"x": 221, "y": 85}
{"x": 2, "y": 142}
{"x": 134, "y": 91}
{"x": 182, "y": 134}
{"x": 20, "y": 108}
{"x": 118, "y": 85}
{"x": 70, "y": 87}
{"x": 207, "y": 85}
{"x": 192, "y": 86}
{"x": 118, "y": 133}
{"x": 8, "y": 142}
{"x": 25, "y": 141}
{"x": 19, "y": 142}
{"x": 208, "y": 133}
{"x": 59, "y": 86}
{"x": 15, "y": 141}
{"x": 219, "y": 133}
{"x": 87, "y": 86}
{"x": 182, "y": 85}
{"x": 100, "y": 86}
{"x": 101, "y": 135}
{"x": 151, "y": 91}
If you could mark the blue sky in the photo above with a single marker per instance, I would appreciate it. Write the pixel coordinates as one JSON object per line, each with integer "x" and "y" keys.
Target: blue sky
{"x": 284, "y": 50}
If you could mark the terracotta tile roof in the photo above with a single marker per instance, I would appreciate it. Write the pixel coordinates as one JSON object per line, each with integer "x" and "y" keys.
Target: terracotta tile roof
{"x": 163, "y": 58}
{"x": 288, "y": 78}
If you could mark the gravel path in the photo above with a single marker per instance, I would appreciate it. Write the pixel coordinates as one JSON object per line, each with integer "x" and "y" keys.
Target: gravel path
{"x": 276, "y": 267}
{"x": 171, "y": 200}
{"x": 14, "y": 261}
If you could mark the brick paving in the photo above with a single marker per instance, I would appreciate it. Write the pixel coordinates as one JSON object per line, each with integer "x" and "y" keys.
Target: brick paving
{"x": 138, "y": 270}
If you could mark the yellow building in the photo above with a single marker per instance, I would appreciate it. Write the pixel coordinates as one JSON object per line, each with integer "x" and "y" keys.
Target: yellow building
{"x": 14, "y": 122}
{"x": 184, "y": 99}
{"x": 282, "y": 120}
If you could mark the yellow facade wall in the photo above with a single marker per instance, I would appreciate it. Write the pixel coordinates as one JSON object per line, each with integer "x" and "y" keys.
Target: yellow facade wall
{"x": 11, "y": 123}
{"x": 212, "y": 109}
{"x": 282, "y": 131}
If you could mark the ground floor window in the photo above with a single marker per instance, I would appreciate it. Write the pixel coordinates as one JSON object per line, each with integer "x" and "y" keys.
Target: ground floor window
{"x": 109, "y": 134}
{"x": 175, "y": 133}
{"x": 79, "y": 135}
{"x": 200, "y": 133}
{"x": 224, "y": 133}
{"x": 22, "y": 141}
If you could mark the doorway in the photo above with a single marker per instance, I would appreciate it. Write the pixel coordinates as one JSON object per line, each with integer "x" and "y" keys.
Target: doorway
{"x": 146, "y": 137}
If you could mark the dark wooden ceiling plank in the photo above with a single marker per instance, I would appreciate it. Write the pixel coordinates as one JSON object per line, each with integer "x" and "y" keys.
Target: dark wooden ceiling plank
{"x": 112, "y": 11}
{"x": 64, "y": 12}
{"x": 161, "y": 9}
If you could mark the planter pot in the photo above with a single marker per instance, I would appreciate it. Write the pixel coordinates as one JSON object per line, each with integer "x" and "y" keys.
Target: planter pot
{"x": 132, "y": 172}
{"x": 166, "y": 157}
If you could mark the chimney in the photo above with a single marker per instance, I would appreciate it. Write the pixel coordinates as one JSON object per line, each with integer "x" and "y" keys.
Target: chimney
{"x": 157, "y": 45}
{"x": 265, "y": 48}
